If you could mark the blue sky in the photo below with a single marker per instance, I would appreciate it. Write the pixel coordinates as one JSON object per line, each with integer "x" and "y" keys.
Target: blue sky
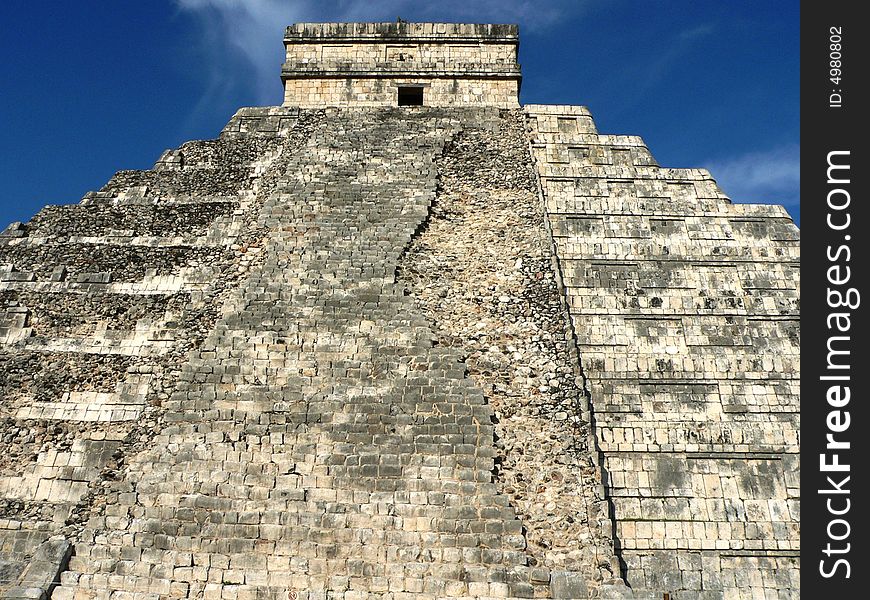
{"x": 93, "y": 87}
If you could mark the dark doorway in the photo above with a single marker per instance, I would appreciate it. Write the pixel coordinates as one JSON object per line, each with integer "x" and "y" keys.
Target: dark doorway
{"x": 411, "y": 96}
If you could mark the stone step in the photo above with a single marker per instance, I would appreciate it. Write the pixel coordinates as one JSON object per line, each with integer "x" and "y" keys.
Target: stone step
{"x": 139, "y": 219}
{"x": 107, "y": 263}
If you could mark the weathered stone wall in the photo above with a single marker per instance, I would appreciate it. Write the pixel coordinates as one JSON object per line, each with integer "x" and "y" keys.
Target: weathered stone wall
{"x": 686, "y": 310}
{"x": 363, "y": 64}
{"x": 384, "y": 92}
{"x": 403, "y": 53}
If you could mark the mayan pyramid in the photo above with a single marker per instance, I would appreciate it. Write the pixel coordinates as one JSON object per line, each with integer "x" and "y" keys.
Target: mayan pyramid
{"x": 401, "y": 338}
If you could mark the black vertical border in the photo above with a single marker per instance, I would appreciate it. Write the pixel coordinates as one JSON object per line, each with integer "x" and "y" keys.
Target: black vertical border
{"x": 825, "y": 129}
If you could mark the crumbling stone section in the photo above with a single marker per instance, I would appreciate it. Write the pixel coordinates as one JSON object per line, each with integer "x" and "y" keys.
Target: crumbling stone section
{"x": 42, "y": 375}
{"x": 42, "y": 574}
{"x": 481, "y": 271}
{"x": 229, "y": 164}
{"x": 105, "y": 263}
{"x": 102, "y": 215}
{"x": 69, "y": 314}
{"x": 101, "y": 304}
{"x": 686, "y": 313}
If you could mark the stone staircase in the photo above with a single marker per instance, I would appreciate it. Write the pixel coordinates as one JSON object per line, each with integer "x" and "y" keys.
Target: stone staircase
{"x": 318, "y": 444}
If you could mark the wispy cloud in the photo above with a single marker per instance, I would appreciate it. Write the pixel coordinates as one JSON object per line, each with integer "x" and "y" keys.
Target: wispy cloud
{"x": 241, "y": 43}
{"x": 531, "y": 15}
{"x": 699, "y": 31}
{"x": 771, "y": 176}
{"x": 649, "y": 64}
{"x": 241, "y": 39}
{"x": 658, "y": 66}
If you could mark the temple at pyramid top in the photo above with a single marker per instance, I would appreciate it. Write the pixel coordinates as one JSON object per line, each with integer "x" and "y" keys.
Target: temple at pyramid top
{"x": 401, "y": 64}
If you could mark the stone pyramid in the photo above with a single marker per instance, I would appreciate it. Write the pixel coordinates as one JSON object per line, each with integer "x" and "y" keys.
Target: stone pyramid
{"x": 401, "y": 338}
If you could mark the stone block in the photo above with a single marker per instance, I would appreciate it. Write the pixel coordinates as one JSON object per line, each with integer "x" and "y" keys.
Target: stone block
{"x": 567, "y": 584}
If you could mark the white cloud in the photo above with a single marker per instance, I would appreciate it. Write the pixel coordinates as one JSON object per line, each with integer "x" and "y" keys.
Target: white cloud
{"x": 697, "y": 32}
{"x": 768, "y": 176}
{"x": 241, "y": 41}
{"x": 656, "y": 68}
{"x": 529, "y": 14}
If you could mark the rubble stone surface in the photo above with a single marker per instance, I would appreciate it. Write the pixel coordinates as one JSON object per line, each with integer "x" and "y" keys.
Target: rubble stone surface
{"x": 481, "y": 271}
